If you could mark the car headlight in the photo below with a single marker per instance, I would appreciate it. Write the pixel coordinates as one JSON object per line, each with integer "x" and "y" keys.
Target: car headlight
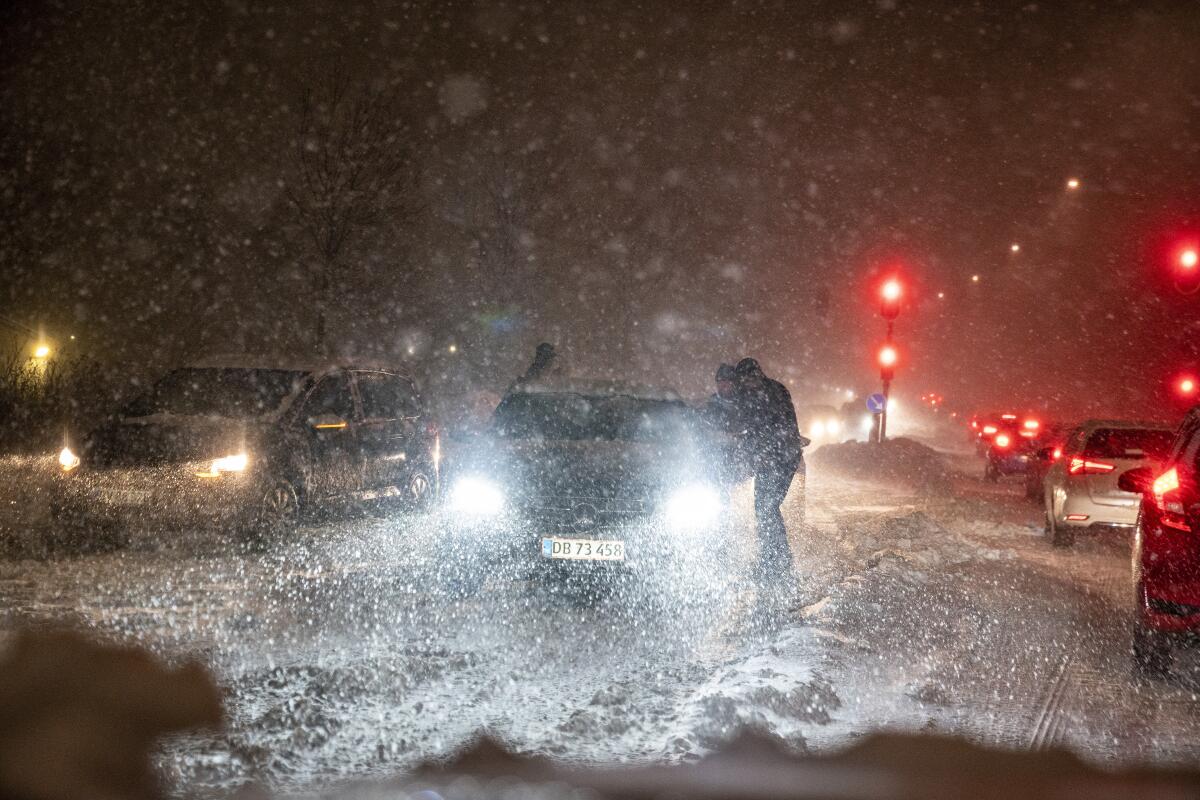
{"x": 833, "y": 426}
{"x": 817, "y": 429}
{"x": 67, "y": 460}
{"x": 476, "y": 497}
{"x": 693, "y": 508}
{"x": 233, "y": 463}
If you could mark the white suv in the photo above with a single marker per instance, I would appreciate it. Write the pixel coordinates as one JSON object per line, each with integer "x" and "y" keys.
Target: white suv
{"x": 1081, "y": 489}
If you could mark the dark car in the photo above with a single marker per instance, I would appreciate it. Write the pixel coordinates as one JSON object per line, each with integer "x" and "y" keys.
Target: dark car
{"x": 1007, "y": 452}
{"x": 250, "y": 447}
{"x": 586, "y": 477}
{"x": 1166, "y": 551}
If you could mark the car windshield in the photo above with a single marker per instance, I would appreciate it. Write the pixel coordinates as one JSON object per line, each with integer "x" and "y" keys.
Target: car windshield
{"x": 570, "y": 416}
{"x": 1128, "y": 443}
{"x": 218, "y": 392}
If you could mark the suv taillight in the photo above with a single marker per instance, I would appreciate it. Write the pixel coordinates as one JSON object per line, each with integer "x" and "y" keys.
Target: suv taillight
{"x": 1170, "y": 502}
{"x": 1083, "y": 466}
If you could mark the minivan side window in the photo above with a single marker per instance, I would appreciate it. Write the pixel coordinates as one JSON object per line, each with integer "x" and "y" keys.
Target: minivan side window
{"x": 331, "y": 396}
{"x": 386, "y": 396}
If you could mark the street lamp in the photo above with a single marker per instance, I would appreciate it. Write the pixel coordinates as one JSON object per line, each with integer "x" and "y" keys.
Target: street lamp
{"x": 1073, "y": 183}
{"x": 41, "y": 351}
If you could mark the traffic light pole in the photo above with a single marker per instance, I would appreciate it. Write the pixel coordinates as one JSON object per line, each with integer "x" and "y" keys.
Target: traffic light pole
{"x": 885, "y": 373}
{"x": 889, "y": 309}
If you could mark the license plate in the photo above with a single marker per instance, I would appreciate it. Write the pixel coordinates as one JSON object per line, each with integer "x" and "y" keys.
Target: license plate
{"x": 583, "y": 549}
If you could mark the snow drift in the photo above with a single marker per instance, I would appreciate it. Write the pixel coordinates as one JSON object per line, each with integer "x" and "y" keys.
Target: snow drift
{"x": 896, "y": 461}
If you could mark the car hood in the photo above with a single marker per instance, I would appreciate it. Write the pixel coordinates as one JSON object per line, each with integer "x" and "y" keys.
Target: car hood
{"x": 163, "y": 439}
{"x": 593, "y": 469}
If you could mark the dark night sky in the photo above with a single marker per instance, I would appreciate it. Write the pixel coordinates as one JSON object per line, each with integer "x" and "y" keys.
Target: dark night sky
{"x": 687, "y": 181}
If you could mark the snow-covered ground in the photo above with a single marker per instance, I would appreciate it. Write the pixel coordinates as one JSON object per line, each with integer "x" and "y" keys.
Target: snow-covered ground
{"x": 343, "y": 655}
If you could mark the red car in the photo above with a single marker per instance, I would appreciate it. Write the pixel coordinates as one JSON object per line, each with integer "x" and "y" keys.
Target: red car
{"x": 1166, "y": 552}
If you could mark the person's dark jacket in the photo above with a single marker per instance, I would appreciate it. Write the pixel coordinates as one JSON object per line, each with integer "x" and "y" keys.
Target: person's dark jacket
{"x": 721, "y": 413}
{"x": 772, "y": 435}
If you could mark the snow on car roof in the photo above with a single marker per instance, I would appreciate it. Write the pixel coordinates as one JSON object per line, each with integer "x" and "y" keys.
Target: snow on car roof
{"x": 598, "y": 388}
{"x": 298, "y": 364}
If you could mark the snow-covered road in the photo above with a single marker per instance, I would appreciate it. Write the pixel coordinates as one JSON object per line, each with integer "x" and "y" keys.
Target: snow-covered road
{"x": 343, "y": 658}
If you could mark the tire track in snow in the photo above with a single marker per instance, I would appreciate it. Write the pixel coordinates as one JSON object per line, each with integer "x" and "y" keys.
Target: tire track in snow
{"x": 1049, "y": 724}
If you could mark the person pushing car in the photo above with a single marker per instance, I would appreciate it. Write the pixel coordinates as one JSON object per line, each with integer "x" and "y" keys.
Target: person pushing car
{"x": 775, "y": 451}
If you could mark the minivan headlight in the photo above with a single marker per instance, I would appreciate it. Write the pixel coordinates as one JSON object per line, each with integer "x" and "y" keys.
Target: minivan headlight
{"x": 232, "y": 463}
{"x": 693, "y": 508}
{"x": 67, "y": 459}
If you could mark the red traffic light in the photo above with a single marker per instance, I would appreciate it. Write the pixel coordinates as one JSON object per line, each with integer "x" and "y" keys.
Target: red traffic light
{"x": 1185, "y": 267}
{"x": 887, "y": 356}
{"x": 1187, "y": 386}
{"x": 890, "y": 293}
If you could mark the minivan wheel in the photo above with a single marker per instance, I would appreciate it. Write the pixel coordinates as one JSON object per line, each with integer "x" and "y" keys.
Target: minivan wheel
{"x": 278, "y": 511}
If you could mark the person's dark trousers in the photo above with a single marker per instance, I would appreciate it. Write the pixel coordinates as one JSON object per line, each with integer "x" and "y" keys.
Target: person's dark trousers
{"x": 771, "y": 484}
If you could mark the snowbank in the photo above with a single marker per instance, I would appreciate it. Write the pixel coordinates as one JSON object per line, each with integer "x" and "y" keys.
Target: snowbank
{"x": 896, "y": 461}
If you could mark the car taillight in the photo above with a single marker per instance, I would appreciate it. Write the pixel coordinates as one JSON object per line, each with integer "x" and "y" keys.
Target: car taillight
{"x": 1002, "y": 440}
{"x": 1057, "y": 454}
{"x": 1166, "y": 494}
{"x": 1082, "y": 466}
{"x": 988, "y": 430}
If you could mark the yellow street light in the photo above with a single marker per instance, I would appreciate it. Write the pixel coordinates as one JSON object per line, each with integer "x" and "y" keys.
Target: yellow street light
{"x": 41, "y": 351}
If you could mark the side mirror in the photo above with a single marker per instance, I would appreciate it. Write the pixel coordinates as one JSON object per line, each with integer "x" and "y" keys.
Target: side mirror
{"x": 1136, "y": 480}
{"x": 327, "y": 422}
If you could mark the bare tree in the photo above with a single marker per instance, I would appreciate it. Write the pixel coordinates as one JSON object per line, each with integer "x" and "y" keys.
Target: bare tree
{"x": 350, "y": 169}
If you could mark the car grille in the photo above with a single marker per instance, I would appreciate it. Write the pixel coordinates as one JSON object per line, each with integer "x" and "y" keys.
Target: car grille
{"x": 582, "y": 514}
